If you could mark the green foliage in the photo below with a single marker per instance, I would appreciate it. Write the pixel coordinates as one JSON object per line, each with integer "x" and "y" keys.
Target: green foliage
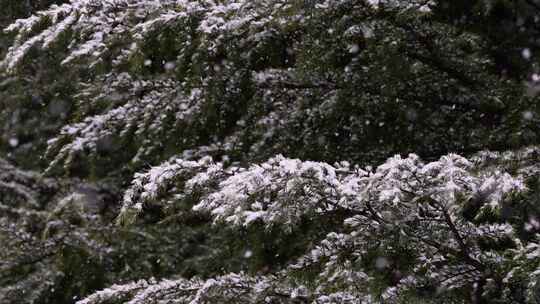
{"x": 165, "y": 100}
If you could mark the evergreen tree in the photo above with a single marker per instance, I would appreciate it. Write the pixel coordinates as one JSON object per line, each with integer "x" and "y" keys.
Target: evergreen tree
{"x": 197, "y": 113}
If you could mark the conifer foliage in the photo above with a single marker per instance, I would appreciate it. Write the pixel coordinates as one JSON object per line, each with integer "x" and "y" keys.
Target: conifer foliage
{"x": 212, "y": 151}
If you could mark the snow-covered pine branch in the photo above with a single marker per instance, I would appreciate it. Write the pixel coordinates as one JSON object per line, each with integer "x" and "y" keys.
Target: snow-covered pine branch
{"x": 96, "y": 26}
{"x": 139, "y": 111}
{"x": 217, "y": 46}
{"x": 231, "y": 288}
{"x": 282, "y": 190}
{"x": 402, "y": 205}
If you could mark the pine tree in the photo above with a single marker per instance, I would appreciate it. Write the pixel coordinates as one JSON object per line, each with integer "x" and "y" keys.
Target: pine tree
{"x": 250, "y": 128}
